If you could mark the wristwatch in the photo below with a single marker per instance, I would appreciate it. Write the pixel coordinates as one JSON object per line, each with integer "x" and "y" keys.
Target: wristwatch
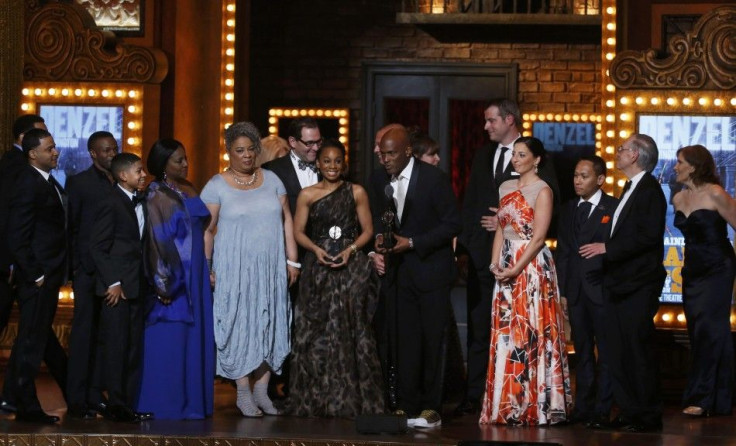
{"x": 411, "y": 243}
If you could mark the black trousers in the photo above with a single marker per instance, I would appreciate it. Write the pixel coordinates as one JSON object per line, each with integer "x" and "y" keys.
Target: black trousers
{"x": 422, "y": 319}
{"x": 121, "y": 330}
{"x": 35, "y": 342}
{"x": 593, "y": 397}
{"x": 633, "y": 365}
{"x": 84, "y": 380}
{"x": 479, "y": 306}
{"x": 7, "y": 297}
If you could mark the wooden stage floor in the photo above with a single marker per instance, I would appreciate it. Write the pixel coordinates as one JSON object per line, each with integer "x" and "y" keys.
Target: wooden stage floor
{"x": 228, "y": 428}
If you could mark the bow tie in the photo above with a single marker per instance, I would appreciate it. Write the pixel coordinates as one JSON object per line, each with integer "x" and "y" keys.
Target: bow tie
{"x": 304, "y": 165}
{"x": 138, "y": 198}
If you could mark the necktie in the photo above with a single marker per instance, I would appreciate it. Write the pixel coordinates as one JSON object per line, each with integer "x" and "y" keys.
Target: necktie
{"x": 581, "y": 214}
{"x": 138, "y": 198}
{"x": 499, "y": 165}
{"x": 57, "y": 187}
{"x": 304, "y": 165}
{"x": 626, "y": 188}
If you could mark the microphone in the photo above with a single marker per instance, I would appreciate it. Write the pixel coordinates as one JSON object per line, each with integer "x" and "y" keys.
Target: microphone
{"x": 388, "y": 218}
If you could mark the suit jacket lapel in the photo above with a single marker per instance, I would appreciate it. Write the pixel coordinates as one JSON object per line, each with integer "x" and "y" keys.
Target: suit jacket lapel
{"x": 129, "y": 207}
{"x": 629, "y": 201}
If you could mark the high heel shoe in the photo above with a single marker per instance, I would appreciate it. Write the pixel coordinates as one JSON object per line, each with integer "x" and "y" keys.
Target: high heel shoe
{"x": 695, "y": 411}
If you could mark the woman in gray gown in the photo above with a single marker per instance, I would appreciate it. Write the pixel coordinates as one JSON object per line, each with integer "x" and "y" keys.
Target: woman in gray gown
{"x": 248, "y": 243}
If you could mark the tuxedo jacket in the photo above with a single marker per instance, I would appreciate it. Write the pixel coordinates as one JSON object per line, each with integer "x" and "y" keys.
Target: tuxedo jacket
{"x": 578, "y": 276}
{"x": 86, "y": 191}
{"x": 635, "y": 249}
{"x": 11, "y": 164}
{"x": 482, "y": 193}
{"x": 284, "y": 169}
{"x": 36, "y": 232}
{"x": 430, "y": 217}
{"x": 116, "y": 246}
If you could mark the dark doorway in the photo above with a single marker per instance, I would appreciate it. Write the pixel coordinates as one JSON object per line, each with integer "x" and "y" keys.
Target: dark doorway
{"x": 444, "y": 100}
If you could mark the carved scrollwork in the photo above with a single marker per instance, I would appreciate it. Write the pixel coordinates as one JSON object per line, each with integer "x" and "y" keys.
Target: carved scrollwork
{"x": 64, "y": 44}
{"x": 704, "y": 58}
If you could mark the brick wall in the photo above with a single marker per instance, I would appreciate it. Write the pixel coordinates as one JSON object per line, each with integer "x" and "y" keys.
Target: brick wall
{"x": 309, "y": 54}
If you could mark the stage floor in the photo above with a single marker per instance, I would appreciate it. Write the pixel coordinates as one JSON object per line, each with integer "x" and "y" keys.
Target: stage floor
{"x": 228, "y": 427}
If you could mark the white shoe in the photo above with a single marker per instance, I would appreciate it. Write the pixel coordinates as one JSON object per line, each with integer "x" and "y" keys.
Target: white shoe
{"x": 411, "y": 422}
{"x": 428, "y": 418}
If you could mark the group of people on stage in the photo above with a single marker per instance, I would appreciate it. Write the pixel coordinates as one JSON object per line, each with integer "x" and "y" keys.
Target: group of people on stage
{"x": 280, "y": 264}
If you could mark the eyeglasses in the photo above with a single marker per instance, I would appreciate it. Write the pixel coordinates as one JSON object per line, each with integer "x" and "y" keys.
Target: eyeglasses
{"x": 310, "y": 144}
{"x": 620, "y": 149}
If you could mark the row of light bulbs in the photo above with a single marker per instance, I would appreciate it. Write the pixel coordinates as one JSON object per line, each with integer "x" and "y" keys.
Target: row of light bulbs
{"x": 227, "y": 81}
{"x": 129, "y": 97}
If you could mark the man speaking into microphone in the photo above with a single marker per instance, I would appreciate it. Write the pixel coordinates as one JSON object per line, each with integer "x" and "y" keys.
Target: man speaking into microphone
{"x": 421, "y": 270}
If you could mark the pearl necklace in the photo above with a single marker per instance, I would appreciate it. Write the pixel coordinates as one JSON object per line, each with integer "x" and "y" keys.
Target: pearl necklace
{"x": 240, "y": 182}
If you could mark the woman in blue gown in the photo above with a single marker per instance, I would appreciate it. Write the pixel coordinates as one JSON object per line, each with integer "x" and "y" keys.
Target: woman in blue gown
{"x": 702, "y": 211}
{"x": 179, "y": 347}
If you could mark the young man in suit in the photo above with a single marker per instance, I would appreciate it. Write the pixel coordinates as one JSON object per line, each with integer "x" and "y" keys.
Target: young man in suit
{"x": 116, "y": 247}
{"x": 420, "y": 273}
{"x": 86, "y": 191}
{"x": 586, "y": 219}
{"x": 298, "y": 169}
{"x": 38, "y": 244}
{"x": 634, "y": 276}
{"x": 491, "y": 167}
{"x": 11, "y": 164}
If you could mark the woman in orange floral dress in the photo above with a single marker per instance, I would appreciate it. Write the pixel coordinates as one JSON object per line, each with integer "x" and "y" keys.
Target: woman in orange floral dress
{"x": 528, "y": 381}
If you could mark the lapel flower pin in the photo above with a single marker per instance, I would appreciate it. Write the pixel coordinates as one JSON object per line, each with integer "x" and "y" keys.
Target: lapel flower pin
{"x": 605, "y": 219}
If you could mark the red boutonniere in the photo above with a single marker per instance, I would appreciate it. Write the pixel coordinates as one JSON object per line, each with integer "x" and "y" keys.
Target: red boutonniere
{"x": 605, "y": 219}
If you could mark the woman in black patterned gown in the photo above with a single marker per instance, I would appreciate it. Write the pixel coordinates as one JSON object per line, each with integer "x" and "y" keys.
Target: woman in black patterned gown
{"x": 335, "y": 370}
{"x": 702, "y": 210}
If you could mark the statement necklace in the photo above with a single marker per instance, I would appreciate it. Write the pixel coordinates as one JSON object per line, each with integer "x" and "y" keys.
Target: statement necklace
{"x": 240, "y": 182}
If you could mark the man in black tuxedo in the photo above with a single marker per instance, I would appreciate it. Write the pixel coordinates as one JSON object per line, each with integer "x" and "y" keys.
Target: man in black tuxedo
{"x": 116, "y": 247}
{"x": 86, "y": 191}
{"x": 298, "y": 169}
{"x": 420, "y": 272}
{"x": 38, "y": 244}
{"x": 634, "y": 276}
{"x": 491, "y": 167}
{"x": 583, "y": 220}
{"x": 11, "y": 164}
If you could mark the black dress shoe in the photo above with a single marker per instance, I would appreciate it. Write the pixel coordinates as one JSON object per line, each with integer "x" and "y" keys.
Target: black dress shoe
{"x": 123, "y": 414}
{"x": 639, "y": 427}
{"x": 80, "y": 411}
{"x": 598, "y": 422}
{"x": 467, "y": 407}
{"x": 619, "y": 422}
{"x": 7, "y": 407}
{"x": 36, "y": 416}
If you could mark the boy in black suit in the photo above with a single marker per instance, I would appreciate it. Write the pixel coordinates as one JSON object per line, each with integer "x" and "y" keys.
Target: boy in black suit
{"x": 116, "y": 246}
{"x": 586, "y": 219}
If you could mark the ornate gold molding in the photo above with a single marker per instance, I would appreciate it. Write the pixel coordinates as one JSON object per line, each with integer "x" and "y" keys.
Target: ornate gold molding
{"x": 64, "y": 44}
{"x": 702, "y": 59}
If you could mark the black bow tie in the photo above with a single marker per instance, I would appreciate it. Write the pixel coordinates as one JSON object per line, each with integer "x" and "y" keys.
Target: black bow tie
{"x": 304, "y": 165}
{"x": 138, "y": 198}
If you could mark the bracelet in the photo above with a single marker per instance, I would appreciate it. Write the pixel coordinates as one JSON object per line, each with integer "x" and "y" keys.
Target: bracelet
{"x": 492, "y": 267}
{"x": 209, "y": 265}
{"x": 354, "y": 248}
{"x": 294, "y": 264}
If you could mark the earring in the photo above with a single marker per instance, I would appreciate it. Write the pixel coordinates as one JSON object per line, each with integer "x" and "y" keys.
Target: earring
{"x": 164, "y": 176}
{"x": 536, "y": 169}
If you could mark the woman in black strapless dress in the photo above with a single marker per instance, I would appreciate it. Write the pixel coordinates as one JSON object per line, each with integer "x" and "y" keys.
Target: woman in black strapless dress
{"x": 703, "y": 209}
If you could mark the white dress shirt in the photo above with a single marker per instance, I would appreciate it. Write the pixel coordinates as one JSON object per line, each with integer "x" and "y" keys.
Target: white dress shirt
{"x": 400, "y": 183}
{"x": 594, "y": 200}
{"x": 634, "y": 181}
{"x": 307, "y": 177}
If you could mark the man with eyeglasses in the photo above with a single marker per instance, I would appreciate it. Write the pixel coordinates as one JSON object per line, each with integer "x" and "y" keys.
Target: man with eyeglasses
{"x": 633, "y": 280}
{"x": 298, "y": 169}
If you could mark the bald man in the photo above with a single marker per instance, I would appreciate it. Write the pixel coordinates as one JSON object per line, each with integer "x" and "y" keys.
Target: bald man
{"x": 420, "y": 272}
